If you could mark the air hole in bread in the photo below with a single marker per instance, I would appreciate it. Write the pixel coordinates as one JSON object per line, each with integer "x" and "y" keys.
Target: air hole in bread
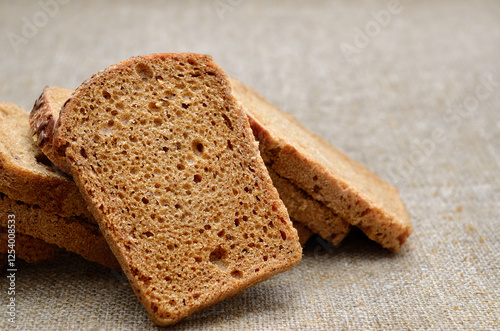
{"x": 237, "y": 274}
{"x": 145, "y": 201}
{"x": 236, "y": 222}
{"x": 229, "y": 145}
{"x": 283, "y": 235}
{"x": 148, "y": 234}
{"x": 197, "y": 178}
{"x": 83, "y": 153}
{"x": 106, "y": 95}
{"x": 217, "y": 257}
{"x": 316, "y": 189}
{"x": 221, "y": 233}
{"x": 158, "y": 121}
{"x": 154, "y": 106}
{"x": 144, "y": 71}
{"x": 227, "y": 121}
{"x": 198, "y": 147}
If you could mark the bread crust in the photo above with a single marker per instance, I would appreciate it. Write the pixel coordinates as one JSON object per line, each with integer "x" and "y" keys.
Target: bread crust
{"x": 42, "y": 119}
{"x": 71, "y": 233}
{"x": 128, "y": 238}
{"x": 26, "y": 175}
{"x": 329, "y": 176}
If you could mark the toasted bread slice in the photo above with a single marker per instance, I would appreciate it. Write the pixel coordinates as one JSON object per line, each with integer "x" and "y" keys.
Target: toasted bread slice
{"x": 31, "y": 250}
{"x": 27, "y": 175}
{"x": 169, "y": 167}
{"x": 71, "y": 233}
{"x": 43, "y": 117}
{"x": 329, "y": 176}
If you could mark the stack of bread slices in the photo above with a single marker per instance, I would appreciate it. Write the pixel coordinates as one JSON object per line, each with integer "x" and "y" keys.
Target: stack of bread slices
{"x": 190, "y": 182}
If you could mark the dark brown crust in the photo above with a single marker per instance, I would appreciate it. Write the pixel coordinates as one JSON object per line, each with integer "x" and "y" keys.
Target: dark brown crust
{"x": 43, "y": 118}
{"x": 31, "y": 250}
{"x": 326, "y": 174}
{"x": 65, "y": 147}
{"x": 72, "y": 233}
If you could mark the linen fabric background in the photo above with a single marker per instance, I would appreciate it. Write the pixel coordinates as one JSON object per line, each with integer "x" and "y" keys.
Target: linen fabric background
{"x": 411, "y": 89}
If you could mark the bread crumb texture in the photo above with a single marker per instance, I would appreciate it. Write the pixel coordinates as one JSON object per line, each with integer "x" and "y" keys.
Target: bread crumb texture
{"x": 170, "y": 168}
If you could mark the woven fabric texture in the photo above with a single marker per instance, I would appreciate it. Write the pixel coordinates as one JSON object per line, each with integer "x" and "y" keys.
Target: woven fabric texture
{"x": 411, "y": 89}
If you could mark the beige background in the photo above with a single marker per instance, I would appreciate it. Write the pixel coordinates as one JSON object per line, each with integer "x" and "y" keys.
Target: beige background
{"x": 395, "y": 106}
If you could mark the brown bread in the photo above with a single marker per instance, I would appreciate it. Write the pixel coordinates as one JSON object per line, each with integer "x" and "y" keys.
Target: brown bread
{"x": 43, "y": 117}
{"x": 303, "y": 232}
{"x": 27, "y": 175}
{"x": 71, "y": 233}
{"x": 308, "y": 211}
{"x": 169, "y": 167}
{"x": 326, "y": 174}
{"x": 31, "y": 250}
{"x": 313, "y": 214}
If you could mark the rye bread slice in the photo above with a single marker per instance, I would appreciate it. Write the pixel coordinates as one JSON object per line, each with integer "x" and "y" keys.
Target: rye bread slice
{"x": 170, "y": 169}
{"x": 313, "y": 214}
{"x": 27, "y": 175}
{"x": 27, "y": 248}
{"x": 303, "y": 209}
{"x": 303, "y": 232}
{"x": 346, "y": 187}
{"x": 43, "y": 117}
{"x": 71, "y": 233}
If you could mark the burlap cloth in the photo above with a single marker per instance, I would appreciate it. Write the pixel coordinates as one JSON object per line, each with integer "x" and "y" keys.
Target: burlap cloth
{"x": 411, "y": 90}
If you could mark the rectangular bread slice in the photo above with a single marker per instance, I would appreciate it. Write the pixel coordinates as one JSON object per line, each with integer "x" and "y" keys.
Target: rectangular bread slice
{"x": 170, "y": 169}
{"x": 70, "y": 233}
{"x": 45, "y": 114}
{"x": 329, "y": 176}
{"x": 27, "y": 175}
{"x": 27, "y": 248}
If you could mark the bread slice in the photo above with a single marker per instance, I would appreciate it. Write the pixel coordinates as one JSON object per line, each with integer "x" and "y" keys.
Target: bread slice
{"x": 313, "y": 214}
{"x": 27, "y": 175}
{"x": 46, "y": 112}
{"x": 169, "y": 167}
{"x": 326, "y": 174}
{"x": 31, "y": 250}
{"x": 43, "y": 117}
{"x": 71, "y": 233}
{"x": 303, "y": 232}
